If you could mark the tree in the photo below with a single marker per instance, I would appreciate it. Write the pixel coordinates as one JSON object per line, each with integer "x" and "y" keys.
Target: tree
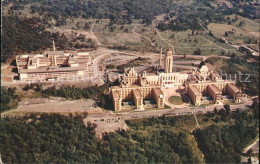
{"x": 197, "y": 52}
{"x": 215, "y": 110}
{"x": 210, "y": 33}
{"x": 26, "y": 87}
{"x": 250, "y": 152}
{"x": 38, "y": 87}
{"x": 227, "y": 108}
{"x": 87, "y": 26}
{"x": 121, "y": 69}
{"x": 241, "y": 23}
{"x": 9, "y": 99}
{"x": 226, "y": 34}
{"x": 217, "y": 119}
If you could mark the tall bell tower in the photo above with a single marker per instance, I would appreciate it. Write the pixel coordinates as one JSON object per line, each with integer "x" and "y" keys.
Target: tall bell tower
{"x": 168, "y": 61}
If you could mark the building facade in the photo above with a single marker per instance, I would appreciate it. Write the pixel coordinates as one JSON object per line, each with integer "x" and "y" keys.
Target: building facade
{"x": 53, "y": 66}
{"x": 145, "y": 90}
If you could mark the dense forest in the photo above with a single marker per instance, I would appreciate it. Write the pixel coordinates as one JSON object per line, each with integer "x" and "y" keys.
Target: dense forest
{"x": 116, "y": 10}
{"x": 225, "y": 144}
{"x": 27, "y": 33}
{"x": 194, "y": 16}
{"x": 9, "y": 98}
{"x": 23, "y": 35}
{"x": 59, "y": 139}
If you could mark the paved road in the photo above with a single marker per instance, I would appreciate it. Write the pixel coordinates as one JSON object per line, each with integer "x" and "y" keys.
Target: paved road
{"x": 195, "y": 62}
{"x": 254, "y": 146}
{"x": 111, "y": 117}
{"x": 103, "y": 52}
{"x": 198, "y": 125}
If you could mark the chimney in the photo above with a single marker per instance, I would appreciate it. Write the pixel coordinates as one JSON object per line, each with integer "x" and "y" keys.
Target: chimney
{"x": 53, "y": 44}
{"x": 160, "y": 57}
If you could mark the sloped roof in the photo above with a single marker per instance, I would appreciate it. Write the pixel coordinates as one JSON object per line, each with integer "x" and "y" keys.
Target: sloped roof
{"x": 214, "y": 88}
{"x": 137, "y": 93}
{"x": 233, "y": 87}
{"x": 194, "y": 89}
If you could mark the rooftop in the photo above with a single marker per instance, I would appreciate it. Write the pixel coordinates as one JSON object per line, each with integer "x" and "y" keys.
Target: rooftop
{"x": 194, "y": 90}
{"x": 158, "y": 91}
{"x": 51, "y": 69}
{"x": 137, "y": 93}
{"x": 235, "y": 88}
{"x": 214, "y": 88}
{"x": 115, "y": 94}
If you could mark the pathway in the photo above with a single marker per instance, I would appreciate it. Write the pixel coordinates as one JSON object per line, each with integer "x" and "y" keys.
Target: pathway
{"x": 93, "y": 35}
{"x": 196, "y": 120}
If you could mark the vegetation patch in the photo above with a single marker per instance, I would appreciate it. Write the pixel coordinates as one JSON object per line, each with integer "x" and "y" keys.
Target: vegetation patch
{"x": 9, "y": 98}
{"x": 238, "y": 67}
{"x": 176, "y": 100}
{"x": 65, "y": 139}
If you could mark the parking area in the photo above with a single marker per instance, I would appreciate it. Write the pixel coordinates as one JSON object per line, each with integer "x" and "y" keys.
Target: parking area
{"x": 109, "y": 121}
{"x": 58, "y": 106}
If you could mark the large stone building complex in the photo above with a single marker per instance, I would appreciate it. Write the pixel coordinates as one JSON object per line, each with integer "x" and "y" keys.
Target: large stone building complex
{"x": 204, "y": 86}
{"x": 53, "y": 66}
{"x": 146, "y": 90}
{"x": 135, "y": 92}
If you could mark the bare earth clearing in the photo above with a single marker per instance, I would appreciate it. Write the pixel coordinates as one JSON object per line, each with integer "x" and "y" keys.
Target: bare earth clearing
{"x": 54, "y": 106}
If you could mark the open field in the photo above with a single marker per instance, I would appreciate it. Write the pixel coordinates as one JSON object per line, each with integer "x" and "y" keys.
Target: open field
{"x": 250, "y": 25}
{"x": 186, "y": 43}
{"x": 53, "y": 106}
{"x": 140, "y": 37}
{"x": 121, "y": 39}
{"x": 235, "y": 34}
{"x": 220, "y": 29}
{"x": 119, "y": 35}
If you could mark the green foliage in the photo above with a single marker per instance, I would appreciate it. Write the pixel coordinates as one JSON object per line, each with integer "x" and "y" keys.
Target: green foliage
{"x": 26, "y": 87}
{"x": 248, "y": 72}
{"x": 176, "y": 100}
{"x": 22, "y": 35}
{"x": 255, "y": 108}
{"x": 52, "y": 138}
{"x": 194, "y": 16}
{"x": 72, "y": 92}
{"x": 98, "y": 9}
{"x": 9, "y": 99}
{"x": 58, "y": 139}
{"x": 38, "y": 87}
{"x": 224, "y": 144}
{"x": 197, "y": 52}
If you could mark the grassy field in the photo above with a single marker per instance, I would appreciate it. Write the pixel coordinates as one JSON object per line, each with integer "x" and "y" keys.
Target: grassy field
{"x": 121, "y": 35}
{"x": 236, "y": 34}
{"x": 205, "y": 121}
{"x": 220, "y": 29}
{"x": 176, "y": 100}
{"x": 185, "y": 42}
{"x": 250, "y": 25}
{"x": 138, "y": 37}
